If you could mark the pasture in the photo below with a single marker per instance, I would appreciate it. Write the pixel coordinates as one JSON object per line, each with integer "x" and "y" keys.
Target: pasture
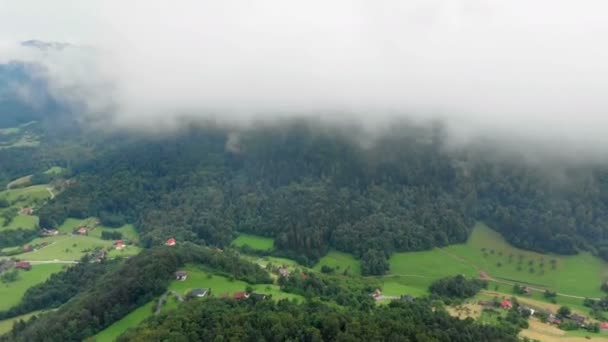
{"x": 259, "y": 243}
{"x": 12, "y": 293}
{"x": 340, "y": 262}
{"x": 63, "y": 247}
{"x": 200, "y": 278}
{"x": 20, "y": 221}
{"x": 27, "y": 196}
{"x": 487, "y": 251}
{"x": 128, "y": 230}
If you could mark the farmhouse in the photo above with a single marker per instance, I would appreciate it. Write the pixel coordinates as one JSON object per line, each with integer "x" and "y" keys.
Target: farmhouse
{"x": 241, "y": 295}
{"x": 82, "y": 230}
{"x": 23, "y": 265}
{"x": 377, "y": 293}
{"x": 604, "y": 325}
{"x": 199, "y": 292}
{"x": 283, "y": 271}
{"x": 119, "y": 244}
{"x": 26, "y": 211}
{"x": 170, "y": 242}
{"x": 49, "y": 232}
{"x": 577, "y": 318}
{"x": 552, "y": 319}
{"x": 506, "y": 304}
{"x": 181, "y": 275}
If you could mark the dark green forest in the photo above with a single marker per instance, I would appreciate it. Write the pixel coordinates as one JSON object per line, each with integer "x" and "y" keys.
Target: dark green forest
{"x": 228, "y": 320}
{"x": 314, "y": 189}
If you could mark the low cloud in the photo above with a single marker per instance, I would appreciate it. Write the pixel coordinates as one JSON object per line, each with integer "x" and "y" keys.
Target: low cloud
{"x": 524, "y": 74}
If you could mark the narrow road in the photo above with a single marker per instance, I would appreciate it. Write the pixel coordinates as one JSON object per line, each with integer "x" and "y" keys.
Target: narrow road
{"x": 50, "y": 190}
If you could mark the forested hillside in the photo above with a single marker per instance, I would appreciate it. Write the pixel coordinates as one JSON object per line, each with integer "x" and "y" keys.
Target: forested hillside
{"x": 314, "y": 189}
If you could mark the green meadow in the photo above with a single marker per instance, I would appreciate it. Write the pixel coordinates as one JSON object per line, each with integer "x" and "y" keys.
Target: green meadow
{"x": 200, "y": 278}
{"x": 20, "y": 221}
{"x": 256, "y": 242}
{"x": 26, "y": 196}
{"x": 340, "y": 262}
{"x": 12, "y": 293}
{"x": 55, "y": 170}
{"x": 63, "y": 247}
{"x": 487, "y": 251}
{"x": 128, "y": 230}
{"x": 131, "y": 320}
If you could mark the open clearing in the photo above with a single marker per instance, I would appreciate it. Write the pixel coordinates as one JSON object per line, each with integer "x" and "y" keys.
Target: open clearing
{"x": 577, "y": 275}
{"x": 20, "y": 221}
{"x": 128, "y": 230}
{"x": 12, "y": 293}
{"x": 545, "y": 332}
{"x": 63, "y": 248}
{"x": 26, "y": 196}
{"x": 341, "y": 262}
{"x": 256, "y": 242}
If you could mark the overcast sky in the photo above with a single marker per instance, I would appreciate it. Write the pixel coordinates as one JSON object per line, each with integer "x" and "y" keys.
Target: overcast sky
{"x": 519, "y": 70}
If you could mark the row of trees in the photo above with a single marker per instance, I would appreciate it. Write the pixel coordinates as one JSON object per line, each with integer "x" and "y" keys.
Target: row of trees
{"x": 229, "y": 320}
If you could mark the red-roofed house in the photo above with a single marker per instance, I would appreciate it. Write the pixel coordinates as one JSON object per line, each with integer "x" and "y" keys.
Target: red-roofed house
{"x": 170, "y": 242}
{"x": 82, "y": 230}
{"x": 603, "y": 325}
{"x": 506, "y": 304}
{"x": 24, "y": 265}
{"x": 303, "y": 276}
{"x": 377, "y": 293}
{"x": 26, "y": 211}
{"x": 241, "y": 295}
{"x": 118, "y": 244}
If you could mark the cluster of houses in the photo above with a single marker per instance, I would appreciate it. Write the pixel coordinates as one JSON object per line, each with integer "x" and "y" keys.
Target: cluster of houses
{"x": 202, "y": 292}
{"x": 6, "y": 265}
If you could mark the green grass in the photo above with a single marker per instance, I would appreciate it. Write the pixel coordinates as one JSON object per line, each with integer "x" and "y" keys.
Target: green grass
{"x": 55, "y": 170}
{"x": 254, "y": 241}
{"x": 19, "y": 182}
{"x": 131, "y": 320}
{"x": 12, "y": 293}
{"x": 128, "y": 230}
{"x": 20, "y": 221}
{"x": 199, "y": 278}
{"x": 340, "y": 261}
{"x": 63, "y": 247}
{"x": 7, "y": 324}
{"x": 578, "y": 275}
{"x": 26, "y": 196}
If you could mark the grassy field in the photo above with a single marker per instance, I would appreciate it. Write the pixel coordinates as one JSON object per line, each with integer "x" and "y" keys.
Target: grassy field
{"x": 26, "y": 196}
{"x": 55, "y": 170}
{"x": 20, "y": 221}
{"x": 19, "y": 182}
{"x": 7, "y": 324}
{"x": 12, "y": 293}
{"x": 340, "y": 261}
{"x": 199, "y": 278}
{"x": 131, "y": 320}
{"x": 254, "y": 241}
{"x": 63, "y": 247}
{"x": 128, "y": 230}
{"x": 486, "y": 250}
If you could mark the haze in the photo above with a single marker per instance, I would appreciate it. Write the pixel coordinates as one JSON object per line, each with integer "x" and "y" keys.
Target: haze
{"x": 525, "y": 73}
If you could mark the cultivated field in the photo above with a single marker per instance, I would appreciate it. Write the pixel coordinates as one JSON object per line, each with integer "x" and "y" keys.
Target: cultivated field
{"x": 254, "y": 241}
